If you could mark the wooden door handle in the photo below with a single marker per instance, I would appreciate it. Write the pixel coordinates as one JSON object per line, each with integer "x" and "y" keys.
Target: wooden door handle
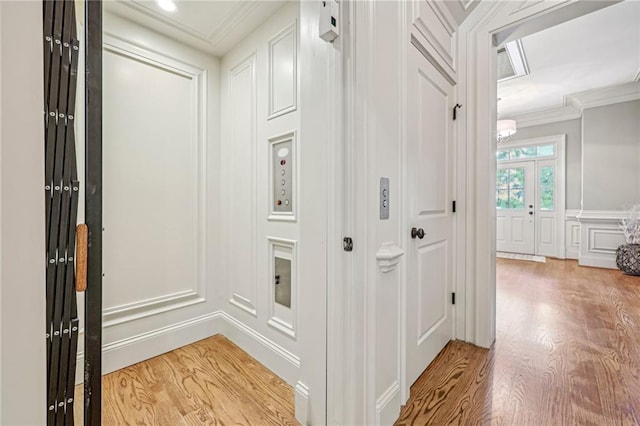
{"x": 82, "y": 241}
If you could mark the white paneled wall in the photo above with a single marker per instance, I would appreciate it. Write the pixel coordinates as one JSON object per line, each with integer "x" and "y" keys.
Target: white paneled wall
{"x": 572, "y": 234}
{"x": 600, "y": 236}
{"x": 203, "y": 211}
{"x": 259, "y": 111}
{"x": 161, "y": 190}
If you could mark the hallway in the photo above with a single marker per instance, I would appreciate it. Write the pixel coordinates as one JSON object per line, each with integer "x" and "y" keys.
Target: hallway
{"x": 567, "y": 352}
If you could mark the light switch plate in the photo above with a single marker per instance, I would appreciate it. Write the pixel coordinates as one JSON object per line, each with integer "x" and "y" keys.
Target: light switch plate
{"x": 384, "y": 198}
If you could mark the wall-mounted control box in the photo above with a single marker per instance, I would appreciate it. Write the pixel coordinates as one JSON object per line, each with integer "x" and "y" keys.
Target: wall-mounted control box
{"x": 283, "y": 178}
{"x": 384, "y": 198}
{"x": 329, "y": 16}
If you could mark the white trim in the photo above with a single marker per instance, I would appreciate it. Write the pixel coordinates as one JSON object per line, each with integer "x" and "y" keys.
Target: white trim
{"x": 601, "y": 215}
{"x": 133, "y": 349}
{"x": 388, "y": 405}
{"x": 302, "y": 403}
{"x": 466, "y": 4}
{"x": 547, "y": 116}
{"x": 154, "y": 305}
{"x": 290, "y": 29}
{"x": 388, "y": 256}
{"x": 280, "y": 324}
{"x": 488, "y": 20}
{"x": 244, "y": 304}
{"x": 572, "y": 234}
{"x": 604, "y": 96}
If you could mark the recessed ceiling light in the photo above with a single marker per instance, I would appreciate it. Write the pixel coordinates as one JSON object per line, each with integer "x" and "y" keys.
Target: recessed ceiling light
{"x": 167, "y": 5}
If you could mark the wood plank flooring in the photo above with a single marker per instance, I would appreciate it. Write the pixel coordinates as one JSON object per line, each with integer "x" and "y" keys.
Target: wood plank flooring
{"x": 211, "y": 382}
{"x": 567, "y": 352}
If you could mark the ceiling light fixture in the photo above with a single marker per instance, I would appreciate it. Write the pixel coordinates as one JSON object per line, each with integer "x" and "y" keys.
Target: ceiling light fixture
{"x": 167, "y": 5}
{"x": 506, "y": 129}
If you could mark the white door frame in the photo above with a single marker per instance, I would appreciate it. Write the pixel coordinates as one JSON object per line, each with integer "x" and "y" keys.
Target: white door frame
{"x": 559, "y": 159}
{"x": 477, "y": 90}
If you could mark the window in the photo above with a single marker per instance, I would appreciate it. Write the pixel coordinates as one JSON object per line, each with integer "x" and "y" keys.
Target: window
{"x": 546, "y": 188}
{"x": 525, "y": 152}
{"x": 510, "y": 188}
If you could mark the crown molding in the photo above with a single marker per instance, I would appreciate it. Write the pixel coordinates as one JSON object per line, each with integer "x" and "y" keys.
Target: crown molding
{"x": 546, "y": 116}
{"x": 574, "y": 104}
{"x": 604, "y": 95}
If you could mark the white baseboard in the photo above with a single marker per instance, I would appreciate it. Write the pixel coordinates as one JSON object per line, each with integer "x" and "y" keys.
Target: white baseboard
{"x": 388, "y": 405}
{"x": 125, "y": 352}
{"x": 608, "y": 262}
{"x": 273, "y": 356}
{"x": 302, "y": 403}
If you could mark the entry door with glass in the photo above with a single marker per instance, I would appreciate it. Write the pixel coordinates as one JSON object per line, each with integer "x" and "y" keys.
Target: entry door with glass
{"x": 515, "y": 196}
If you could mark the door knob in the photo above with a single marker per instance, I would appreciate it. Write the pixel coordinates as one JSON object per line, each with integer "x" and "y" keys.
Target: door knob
{"x": 531, "y": 213}
{"x": 415, "y": 232}
{"x": 530, "y": 206}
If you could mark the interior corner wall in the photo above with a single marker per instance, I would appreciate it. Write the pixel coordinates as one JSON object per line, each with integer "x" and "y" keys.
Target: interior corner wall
{"x": 260, "y": 108}
{"x": 22, "y": 222}
{"x": 573, "y": 131}
{"x": 611, "y": 156}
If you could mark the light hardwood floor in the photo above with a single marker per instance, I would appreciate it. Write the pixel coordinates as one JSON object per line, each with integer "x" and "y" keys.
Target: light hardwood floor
{"x": 567, "y": 352}
{"x": 211, "y": 382}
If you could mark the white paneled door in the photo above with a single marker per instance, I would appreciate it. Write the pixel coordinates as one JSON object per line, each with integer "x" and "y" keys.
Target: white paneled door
{"x": 515, "y": 197}
{"x": 429, "y": 167}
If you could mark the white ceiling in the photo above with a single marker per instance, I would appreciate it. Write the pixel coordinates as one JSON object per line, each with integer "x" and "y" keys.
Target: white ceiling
{"x": 596, "y": 50}
{"x": 214, "y": 26}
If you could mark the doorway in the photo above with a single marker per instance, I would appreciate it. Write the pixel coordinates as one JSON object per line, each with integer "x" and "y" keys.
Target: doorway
{"x": 530, "y": 197}
{"x": 206, "y": 229}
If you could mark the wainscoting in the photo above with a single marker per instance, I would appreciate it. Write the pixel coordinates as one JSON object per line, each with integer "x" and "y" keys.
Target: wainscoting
{"x": 600, "y": 236}
{"x": 599, "y": 230}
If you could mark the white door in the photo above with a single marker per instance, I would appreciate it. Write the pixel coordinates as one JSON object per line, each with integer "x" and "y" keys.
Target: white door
{"x": 515, "y": 196}
{"x": 429, "y": 166}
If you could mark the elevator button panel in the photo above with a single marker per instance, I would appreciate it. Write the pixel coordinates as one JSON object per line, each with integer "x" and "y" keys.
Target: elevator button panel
{"x": 282, "y": 187}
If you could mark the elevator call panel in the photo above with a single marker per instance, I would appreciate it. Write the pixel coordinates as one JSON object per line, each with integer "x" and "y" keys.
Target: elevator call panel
{"x": 282, "y": 156}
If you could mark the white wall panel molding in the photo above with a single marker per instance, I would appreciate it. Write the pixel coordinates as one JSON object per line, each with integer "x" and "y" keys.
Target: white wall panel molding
{"x": 239, "y": 193}
{"x": 434, "y": 34}
{"x": 547, "y": 116}
{"x": 466, "y": 4}
{"x": 600, "y": 236}
{"x": 188, "y": 84}
{"x": 302, "y": 403}
{"x": 388, "y": 256}
{"x": 243, "y": 303}
{"x": 282, "y": 317}
{"x": 283, "y": 72}
{"x": 572, "y": 234}
{"x": 601, "y": 215}
{"x": 119, "y": 45}
{"x": 604, "y": 96}
{"x": 155, "y": 305}
{"x": 388, "y": 405}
